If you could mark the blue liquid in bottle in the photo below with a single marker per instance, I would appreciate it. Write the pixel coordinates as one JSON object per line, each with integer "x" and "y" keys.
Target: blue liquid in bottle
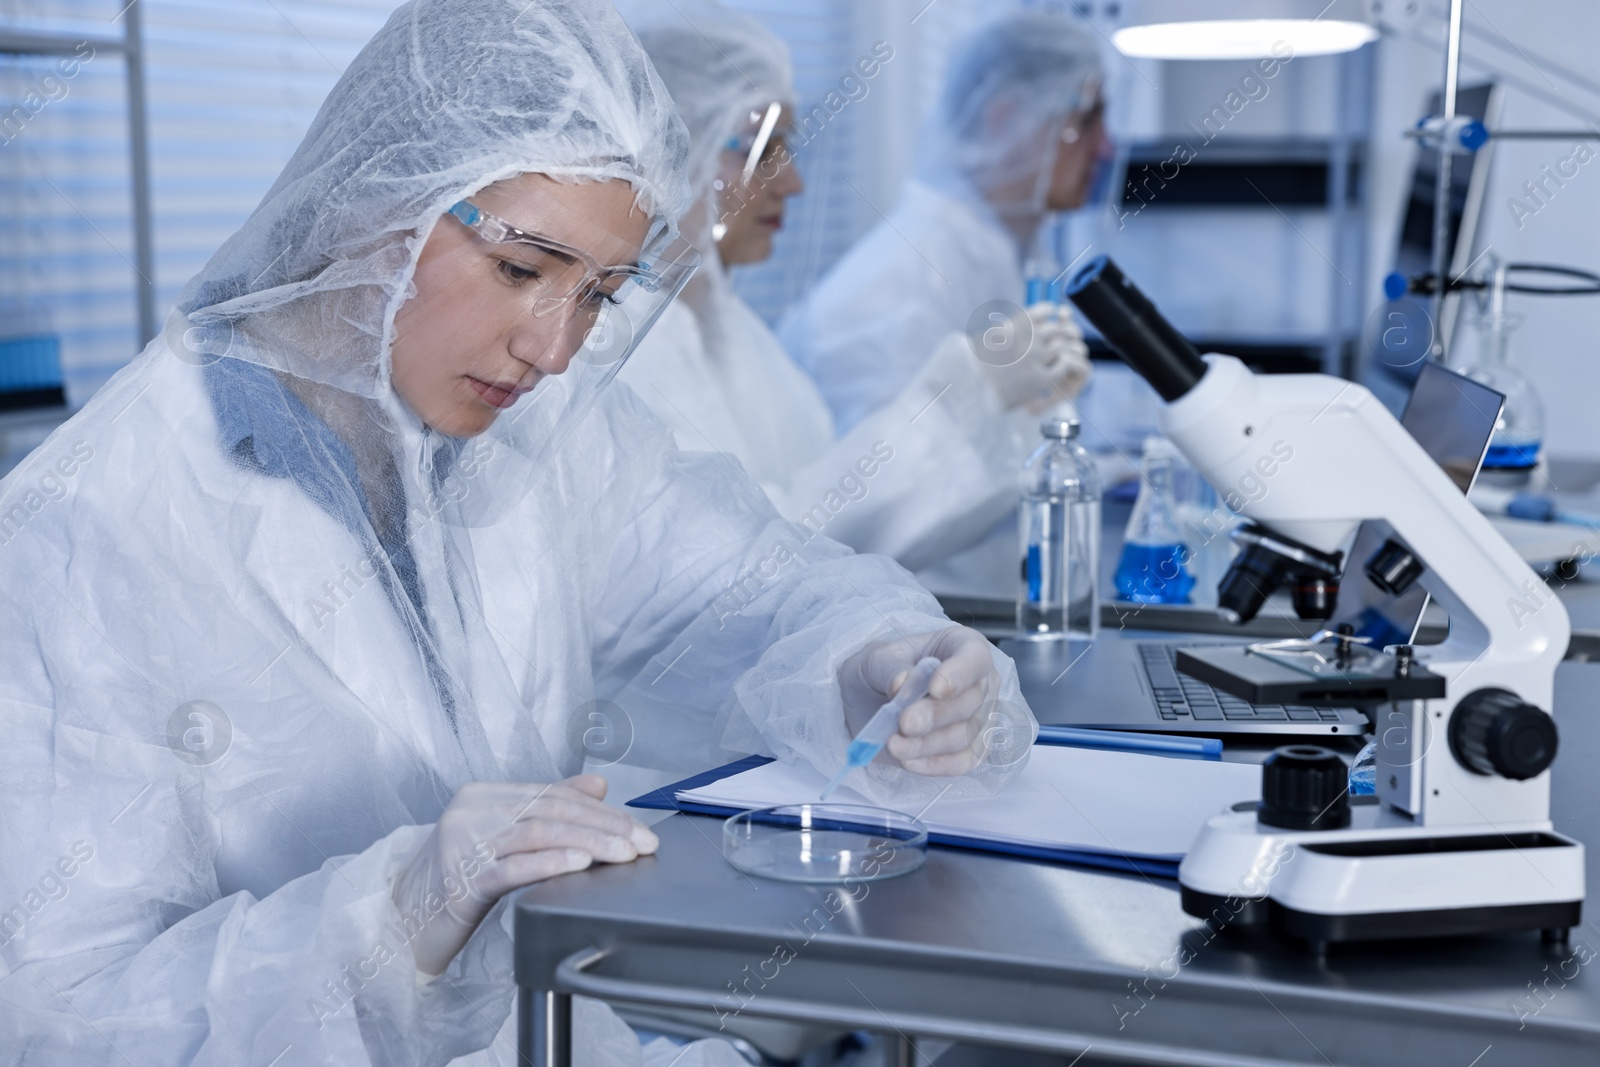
{"x": 1060, "y": 526}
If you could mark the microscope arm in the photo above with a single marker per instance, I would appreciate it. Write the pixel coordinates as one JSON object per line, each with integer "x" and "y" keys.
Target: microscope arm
{"x": 1336, "y": 458}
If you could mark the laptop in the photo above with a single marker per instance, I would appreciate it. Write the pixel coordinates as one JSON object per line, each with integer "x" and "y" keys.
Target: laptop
{"x": 1127, "y": 679}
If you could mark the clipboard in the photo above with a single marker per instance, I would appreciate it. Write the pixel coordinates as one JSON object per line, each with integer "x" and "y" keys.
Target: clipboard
{"x": 666, "y": 799}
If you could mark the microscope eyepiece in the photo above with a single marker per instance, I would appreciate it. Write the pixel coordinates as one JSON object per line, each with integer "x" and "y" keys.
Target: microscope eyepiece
{"x": 1131, "y": 325}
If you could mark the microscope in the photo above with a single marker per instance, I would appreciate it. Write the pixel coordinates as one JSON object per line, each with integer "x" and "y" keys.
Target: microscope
{"x": 1459, "y": 840}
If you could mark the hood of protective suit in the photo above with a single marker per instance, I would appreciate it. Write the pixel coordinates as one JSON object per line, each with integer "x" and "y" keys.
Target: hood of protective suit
{"x": 450, "y": 96}
{"x": 723, "y": 69}
{"x": 1003, "y": 89}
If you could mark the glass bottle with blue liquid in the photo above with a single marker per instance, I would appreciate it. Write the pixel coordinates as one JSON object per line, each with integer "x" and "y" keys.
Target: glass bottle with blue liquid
{"x": 1060, "y": 526}
{"x": 1154, "y": 568}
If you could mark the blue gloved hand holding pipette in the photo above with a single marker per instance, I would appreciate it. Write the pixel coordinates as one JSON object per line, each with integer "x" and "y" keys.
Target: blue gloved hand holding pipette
{"x": 935, "y": 713}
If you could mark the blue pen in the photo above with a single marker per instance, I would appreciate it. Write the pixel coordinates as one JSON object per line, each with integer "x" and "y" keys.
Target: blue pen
{"x": 1128, "y": 741}
{"x": 873, "y": 736}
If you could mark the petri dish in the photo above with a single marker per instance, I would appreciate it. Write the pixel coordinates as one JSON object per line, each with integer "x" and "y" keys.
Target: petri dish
{"x": 825, "y": 844}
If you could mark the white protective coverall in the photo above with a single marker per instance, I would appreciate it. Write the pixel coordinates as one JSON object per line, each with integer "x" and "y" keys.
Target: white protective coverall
{"x": 261, "y": 623}
{"x": 952, "y": 244}
{"x": 920, "y": 475}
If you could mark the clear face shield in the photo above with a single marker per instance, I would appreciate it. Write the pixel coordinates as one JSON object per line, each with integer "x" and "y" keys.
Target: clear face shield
{"x": 1089, "y": 124}
{"x": 760, "y": 149}
{"x": 1067, "y": 180}
{"x": 568, "y": 320}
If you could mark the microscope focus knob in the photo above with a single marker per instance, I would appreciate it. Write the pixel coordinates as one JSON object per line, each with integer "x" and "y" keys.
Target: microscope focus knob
{"x": 1494, "y": 731}
{"x": 1304, "y": 787}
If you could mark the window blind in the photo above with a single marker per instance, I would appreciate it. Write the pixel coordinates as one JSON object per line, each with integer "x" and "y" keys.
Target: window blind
{"x": 230, "y": 90}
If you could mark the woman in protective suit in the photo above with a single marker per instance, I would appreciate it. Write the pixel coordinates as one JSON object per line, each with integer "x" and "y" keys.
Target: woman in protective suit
{"x": 303, "y": 630}
{"x": 1015, "y": 133}
{"x": 931, "y": 464}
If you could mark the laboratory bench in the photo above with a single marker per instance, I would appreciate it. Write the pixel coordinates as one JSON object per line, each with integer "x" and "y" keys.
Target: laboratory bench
{"x": 1004, "y": 952}
{"x": 1079, "y": 966}
{"x": 1010, "y": 953}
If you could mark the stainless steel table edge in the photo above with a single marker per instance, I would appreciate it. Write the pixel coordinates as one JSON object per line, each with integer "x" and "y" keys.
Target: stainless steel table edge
{"x": 571, "y": 948}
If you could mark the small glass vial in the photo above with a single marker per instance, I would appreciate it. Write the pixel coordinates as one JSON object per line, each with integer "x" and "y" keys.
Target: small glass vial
{"x": 1058, "y": 596}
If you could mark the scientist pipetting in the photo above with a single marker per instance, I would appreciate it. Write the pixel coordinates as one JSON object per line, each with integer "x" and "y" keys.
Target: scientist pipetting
{"x": 292, "y": 674}
{"x": 714, "y": 372}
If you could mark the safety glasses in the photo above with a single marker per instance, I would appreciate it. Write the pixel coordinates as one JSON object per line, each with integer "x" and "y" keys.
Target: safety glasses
{"x": 559, "y": 274}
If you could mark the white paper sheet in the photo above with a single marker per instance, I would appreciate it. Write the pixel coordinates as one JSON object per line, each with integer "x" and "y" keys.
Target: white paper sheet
{"x": 1089, "y": 800}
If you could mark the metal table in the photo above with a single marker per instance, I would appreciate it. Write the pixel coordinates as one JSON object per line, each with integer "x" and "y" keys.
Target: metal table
{"x": 994, "y": 951}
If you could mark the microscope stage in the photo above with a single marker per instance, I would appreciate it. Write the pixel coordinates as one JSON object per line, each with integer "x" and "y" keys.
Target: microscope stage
{"x": 1251, "y": 676}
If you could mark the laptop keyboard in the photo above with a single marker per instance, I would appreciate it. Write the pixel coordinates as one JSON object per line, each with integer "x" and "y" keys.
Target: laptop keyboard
{"x": 1179, "y": 696}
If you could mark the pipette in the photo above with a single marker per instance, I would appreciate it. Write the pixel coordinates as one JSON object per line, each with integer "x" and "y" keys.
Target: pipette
{"x": 873, "y": 736}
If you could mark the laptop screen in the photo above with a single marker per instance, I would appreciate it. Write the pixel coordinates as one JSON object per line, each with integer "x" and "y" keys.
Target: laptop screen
{"x": 1452, "y": 417}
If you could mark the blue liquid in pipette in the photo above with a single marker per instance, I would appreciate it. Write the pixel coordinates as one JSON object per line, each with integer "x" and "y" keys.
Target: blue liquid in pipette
{"x": 859, "y": 754}
{"x": 1154, "y": 574}
{"x": 884, "y": 722}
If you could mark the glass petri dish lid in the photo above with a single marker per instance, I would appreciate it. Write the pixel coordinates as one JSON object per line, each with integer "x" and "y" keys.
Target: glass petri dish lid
{"x": 825, "y": 844}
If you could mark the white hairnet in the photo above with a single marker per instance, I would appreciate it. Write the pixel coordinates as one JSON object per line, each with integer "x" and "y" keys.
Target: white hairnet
{"x": 722, "y": 67}
{"x": 450, "y": 96}
{"x": 1004, "y": 88}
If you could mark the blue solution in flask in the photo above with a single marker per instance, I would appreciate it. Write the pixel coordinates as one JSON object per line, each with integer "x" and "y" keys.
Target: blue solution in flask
{"x": 1519, "y": 432}
{"x": 1155, "y": 574}
{"x": 1520, "y": 456}
{"x": 1154, "y": 565}
{"x": 1043, "y": 280}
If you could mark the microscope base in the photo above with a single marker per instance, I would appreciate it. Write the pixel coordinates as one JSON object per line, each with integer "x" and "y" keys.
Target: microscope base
{"x": 1315, "y": 929}
{"x": 1383, "y": 878}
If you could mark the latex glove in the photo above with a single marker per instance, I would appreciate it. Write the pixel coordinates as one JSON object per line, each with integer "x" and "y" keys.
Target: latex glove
{"x": 941, "y": 734}
{"x": 499, "y": 836}
{"x": 1053, "y": 366}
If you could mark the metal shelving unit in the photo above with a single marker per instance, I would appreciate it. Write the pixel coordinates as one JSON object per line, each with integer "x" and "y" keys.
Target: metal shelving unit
{"x": 1279, "y": 173}
{"x": 1325, "y": 173}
